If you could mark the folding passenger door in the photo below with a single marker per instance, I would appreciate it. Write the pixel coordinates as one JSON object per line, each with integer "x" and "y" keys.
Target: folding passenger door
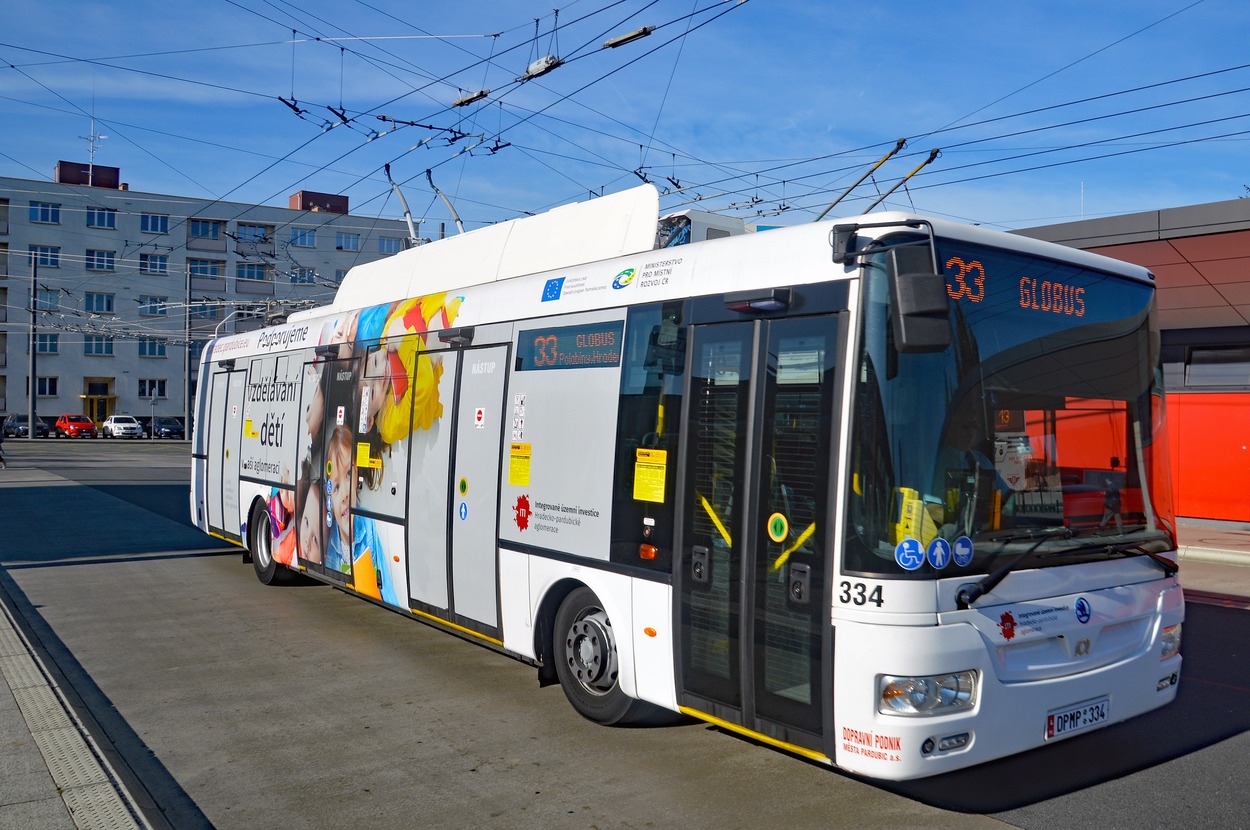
{"x": 751, "y": 568}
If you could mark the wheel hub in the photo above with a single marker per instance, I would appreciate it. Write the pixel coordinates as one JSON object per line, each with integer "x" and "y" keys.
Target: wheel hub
{"x": 590, "y": 653}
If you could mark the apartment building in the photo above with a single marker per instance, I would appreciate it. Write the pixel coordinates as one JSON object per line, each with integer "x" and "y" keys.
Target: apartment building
{"x": 125, "y": 287}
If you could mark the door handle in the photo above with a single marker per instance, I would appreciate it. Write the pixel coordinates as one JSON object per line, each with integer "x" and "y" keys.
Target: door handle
{"x": 700, "y": 565}
{"x": 800, "y": 584}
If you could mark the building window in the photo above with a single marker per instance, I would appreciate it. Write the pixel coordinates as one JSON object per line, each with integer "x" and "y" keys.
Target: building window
{"x": 303, "y": 237}
{"x": 97, "y": 344}
{"x": 45, "y": 387}
{"x": 101, "y": 260}
{"x": 390, "y": 245}
{"x": 151, "y": 348}
{"x": 303, "y": 276}
{"x": 1218, "y": 366}
{"x": 251, "y": 271}
{"x": 98, "y": 303}
{"x": 151, "y": 387}
{"x": 101, "y": 217}
{"x": 45, "y": 212}
{"x": 154, "y": 264}
{"x": 255, "y": 233}
{"x": 47, "y": 343}
{"x": 206, "y": 268}
{"x": 154, "y": 223}
{"x": 152, "y": 306}
{"x": 205, "y": 311}
{"x": 347, "y": 241}
{"x": 205, "y": 229}
{"x": 194, "y": 349}
{"x": 45, "y": 256}
{"x": 45, "y": 299}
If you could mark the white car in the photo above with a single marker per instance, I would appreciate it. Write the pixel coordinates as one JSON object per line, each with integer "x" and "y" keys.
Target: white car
{"x": 121, "y": 426}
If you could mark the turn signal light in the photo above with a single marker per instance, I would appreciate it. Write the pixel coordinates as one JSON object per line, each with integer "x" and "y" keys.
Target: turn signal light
{"x": 647, "y": 552}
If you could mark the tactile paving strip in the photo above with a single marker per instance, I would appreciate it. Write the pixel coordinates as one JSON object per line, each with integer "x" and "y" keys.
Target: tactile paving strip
{"x": 42, "y": 708}
{"x": 69, "y": 760}
{"x": 98, "y": 807}
{"x": 21, "y": 671}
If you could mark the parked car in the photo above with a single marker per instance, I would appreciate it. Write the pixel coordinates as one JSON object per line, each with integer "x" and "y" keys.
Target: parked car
{"x": 73, "y": 426}
{"x": 121, "y": 426}
{"x": 15, "y": 426}
{"x": 167, "y": 426}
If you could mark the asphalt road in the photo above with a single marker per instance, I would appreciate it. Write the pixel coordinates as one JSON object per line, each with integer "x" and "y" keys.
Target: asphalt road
{"x": 230, "y": 704}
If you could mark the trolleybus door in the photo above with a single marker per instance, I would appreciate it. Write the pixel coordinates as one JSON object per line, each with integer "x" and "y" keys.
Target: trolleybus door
{"x": 753, "y": 561}
{"x": 225, "y": 432}
{"x": 475, "y": 483}
{"x": 453, "y": 519}
{"x": 327, "y": 443}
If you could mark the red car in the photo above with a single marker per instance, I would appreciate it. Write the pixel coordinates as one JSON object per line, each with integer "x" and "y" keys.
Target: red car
{"x": 73, "y": 426}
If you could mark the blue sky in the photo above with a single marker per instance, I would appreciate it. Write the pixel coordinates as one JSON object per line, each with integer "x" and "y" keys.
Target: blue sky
{"x": 766, "y": 109}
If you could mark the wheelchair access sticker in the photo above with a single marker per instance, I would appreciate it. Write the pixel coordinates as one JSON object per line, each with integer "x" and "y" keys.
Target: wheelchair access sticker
{"x": 908, "y": 554}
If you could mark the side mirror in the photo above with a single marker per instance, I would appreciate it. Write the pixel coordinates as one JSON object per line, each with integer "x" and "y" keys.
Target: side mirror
{"x": 920, "y": 308}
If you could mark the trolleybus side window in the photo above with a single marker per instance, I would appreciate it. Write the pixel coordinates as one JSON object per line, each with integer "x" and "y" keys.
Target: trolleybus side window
{"x": 647, "y": 432}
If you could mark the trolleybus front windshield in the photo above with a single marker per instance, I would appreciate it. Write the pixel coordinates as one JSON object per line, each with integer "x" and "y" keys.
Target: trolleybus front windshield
{"x": 1030, "y": 437}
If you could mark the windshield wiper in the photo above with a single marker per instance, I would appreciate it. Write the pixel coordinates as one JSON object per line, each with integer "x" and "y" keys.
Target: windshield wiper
{"x": 973, "y": 591}
{"x": 1133, "y": 549}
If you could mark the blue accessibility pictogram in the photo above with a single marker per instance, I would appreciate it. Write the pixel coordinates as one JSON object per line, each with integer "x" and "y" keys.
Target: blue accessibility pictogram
{"x": 963, "y": 551}
{"x": 939, "y": 553}
{"x": 908, "y": 554}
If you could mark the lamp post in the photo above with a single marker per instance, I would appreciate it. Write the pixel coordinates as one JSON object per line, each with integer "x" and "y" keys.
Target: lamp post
{"x": 31, "y": 409}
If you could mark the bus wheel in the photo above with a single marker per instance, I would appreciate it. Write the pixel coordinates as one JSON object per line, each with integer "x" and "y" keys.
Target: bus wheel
{"x": 259, "y": 543}
{"x": 584, "y": 650}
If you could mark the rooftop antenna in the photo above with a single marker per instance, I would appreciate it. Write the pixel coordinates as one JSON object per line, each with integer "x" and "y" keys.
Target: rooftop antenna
{"x": 412, "y": 231}
{"x": 455, "y": 216}
{"x": 92, "y": 140}
{"x": 932, "y": 155}
{"x": 860, "y": 180}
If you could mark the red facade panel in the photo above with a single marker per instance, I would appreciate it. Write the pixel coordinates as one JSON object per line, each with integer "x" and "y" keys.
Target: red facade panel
{"x": 1210, "y": 441}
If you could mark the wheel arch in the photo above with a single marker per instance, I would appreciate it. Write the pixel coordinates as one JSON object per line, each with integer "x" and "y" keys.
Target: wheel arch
{"x": 544, "y": 624}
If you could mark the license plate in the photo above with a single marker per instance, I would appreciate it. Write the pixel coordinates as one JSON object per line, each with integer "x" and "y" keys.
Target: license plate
{"x": 1077, "y": 717}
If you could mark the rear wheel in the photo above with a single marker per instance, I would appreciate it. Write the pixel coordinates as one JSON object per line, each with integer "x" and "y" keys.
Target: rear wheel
{"x": 260, "y": 544}
{"x": 584, "y": 651}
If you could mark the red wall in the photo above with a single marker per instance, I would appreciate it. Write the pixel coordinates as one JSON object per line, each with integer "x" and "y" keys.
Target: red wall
{"x": 1210, "y": 442}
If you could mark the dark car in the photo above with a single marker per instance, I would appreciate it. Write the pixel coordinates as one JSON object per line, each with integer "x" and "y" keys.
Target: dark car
{"x": 15, "y": 426}
{"x": 73, "y": 426}
{"x": 166, "y": 426}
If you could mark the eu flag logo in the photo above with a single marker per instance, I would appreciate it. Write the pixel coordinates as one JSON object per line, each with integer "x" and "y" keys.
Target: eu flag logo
{"x": 551, "y": 291}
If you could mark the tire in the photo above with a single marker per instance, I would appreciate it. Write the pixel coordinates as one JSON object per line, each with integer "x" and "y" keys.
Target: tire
{"x": 584, "y": 653}
{"x": 259, "y": 541}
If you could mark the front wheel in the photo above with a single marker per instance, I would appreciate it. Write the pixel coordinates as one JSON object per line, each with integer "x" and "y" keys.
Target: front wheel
{"x": 260, "y": 544}
{"x": 584, "y": 651}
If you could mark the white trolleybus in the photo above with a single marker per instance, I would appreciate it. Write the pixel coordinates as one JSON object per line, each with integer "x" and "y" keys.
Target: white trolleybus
{"x": 891, "y": 493}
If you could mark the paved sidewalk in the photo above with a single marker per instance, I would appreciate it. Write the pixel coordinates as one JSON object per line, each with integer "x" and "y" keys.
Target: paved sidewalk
{"x": 51, "y": 774}
{"x": 1215, "y": 560}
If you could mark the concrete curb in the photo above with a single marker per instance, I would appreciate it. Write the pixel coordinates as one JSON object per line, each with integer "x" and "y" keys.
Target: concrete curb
{"x": 1191, "y": 553}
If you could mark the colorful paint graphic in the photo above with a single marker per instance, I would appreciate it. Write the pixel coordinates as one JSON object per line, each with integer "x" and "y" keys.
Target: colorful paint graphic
{"x": 362, "y": 399}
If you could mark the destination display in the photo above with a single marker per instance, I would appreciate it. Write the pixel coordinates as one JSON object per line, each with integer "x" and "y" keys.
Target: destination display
{"x": 583, "y": 346}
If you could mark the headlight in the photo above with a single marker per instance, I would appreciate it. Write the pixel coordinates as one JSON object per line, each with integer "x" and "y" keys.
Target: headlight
{"x": 1171, "y": 637}
{"x": 936, "y": 695}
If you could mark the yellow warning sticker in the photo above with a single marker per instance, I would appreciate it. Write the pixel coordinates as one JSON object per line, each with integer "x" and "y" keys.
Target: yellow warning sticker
{"x": 519, "y": 464}
{"x": 363, "y": 459}
{"x": 650, "y": 471}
